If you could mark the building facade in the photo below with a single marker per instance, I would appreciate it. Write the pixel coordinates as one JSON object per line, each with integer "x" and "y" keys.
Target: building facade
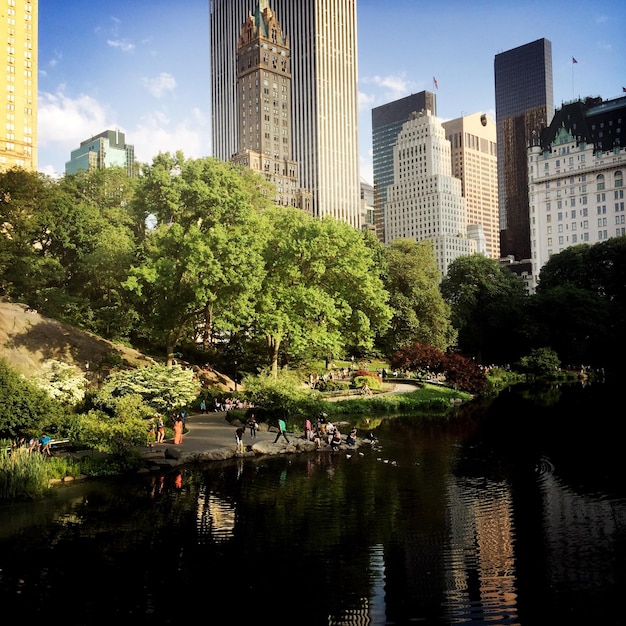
{"x": 475, "y": 162}
{"x": 324, "y": 115}
{"x": 107, "y": 149}
{"x": 424, "y": 202}
{"x": 264, "y": 97}
{"x": 18, "y": 89}
{"x": 524, "y": 106}
{"x": 576, "y": 172}
{"x": 368, "y": 218}
{"x": 387, "y": 122}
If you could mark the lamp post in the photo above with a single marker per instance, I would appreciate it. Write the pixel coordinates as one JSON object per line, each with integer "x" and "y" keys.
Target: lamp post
{"x": 235, "y": 375}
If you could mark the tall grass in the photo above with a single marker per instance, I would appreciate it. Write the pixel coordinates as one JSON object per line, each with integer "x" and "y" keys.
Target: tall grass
{"x": 22, "y": 475}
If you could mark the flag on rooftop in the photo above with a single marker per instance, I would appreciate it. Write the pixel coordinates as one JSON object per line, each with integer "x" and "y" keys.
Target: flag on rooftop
{"x": 435, "y": 83}
{"x": 574, "y": 60}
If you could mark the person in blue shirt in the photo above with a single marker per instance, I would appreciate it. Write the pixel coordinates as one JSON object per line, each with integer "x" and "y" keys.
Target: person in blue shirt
{"x": 45, "y": 444}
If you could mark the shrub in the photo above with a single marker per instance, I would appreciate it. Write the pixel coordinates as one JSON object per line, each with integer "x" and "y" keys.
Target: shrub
{"x": 373, "y": 382}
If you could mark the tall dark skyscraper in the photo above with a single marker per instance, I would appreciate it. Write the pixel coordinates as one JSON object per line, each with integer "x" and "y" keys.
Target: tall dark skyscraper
{"x": 387, "y": 121}
{"x": 524, "y": 106}
{"x": 324, "y": 97}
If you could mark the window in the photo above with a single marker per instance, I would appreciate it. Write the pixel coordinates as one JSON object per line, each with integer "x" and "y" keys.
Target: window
{"x": 600, "y": 182}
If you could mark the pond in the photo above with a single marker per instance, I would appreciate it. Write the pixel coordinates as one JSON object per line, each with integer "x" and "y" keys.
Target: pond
{"x": 509, "y": 511}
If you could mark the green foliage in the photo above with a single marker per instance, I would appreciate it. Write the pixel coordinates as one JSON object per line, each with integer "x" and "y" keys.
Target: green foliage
{"x": 321, "y": 294}
{"x": 540, "y": 362}
{"x": 24, "y": 408}
{"x": 428, "y": 399}
{"x": 487, "y": 303}
{"x": 201, "y": 265}
{"x": 282, "y": 396}
{"x": 22, "y": 475}
{"x": 420, "y": 314}
{"x": 580, "y": 305}
{"x": 161, "y": 388}
{"x": 115, "y": 435}
{"x": 373, "y": 382}
{"x": 61, "y": 382}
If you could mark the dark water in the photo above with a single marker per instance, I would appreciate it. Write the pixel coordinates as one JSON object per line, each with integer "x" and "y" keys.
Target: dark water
{"x": 508, "y": 512}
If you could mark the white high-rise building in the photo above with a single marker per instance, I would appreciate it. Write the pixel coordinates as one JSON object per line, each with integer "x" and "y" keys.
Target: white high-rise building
{"x": 425, "y": 201}
{"x": 576, "y": 174}
{"x": 324, "y": 112}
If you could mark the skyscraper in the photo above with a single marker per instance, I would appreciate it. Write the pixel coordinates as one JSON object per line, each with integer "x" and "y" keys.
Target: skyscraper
{"x": 107, "y": 149}
{"x": 324, "y": 115}
{"x": 475, "y": 162}
{"x": 424, "y": 203}
{"x": 524, "y": 106}
{"x": 18, "y": 89}
{"x": 264, "y": 97}
{"x": 387, "y": 121}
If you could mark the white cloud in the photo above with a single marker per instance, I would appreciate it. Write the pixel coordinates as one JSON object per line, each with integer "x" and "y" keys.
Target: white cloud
{"x": 121, "y": 44}
{"x": 64, "y": 122}
{"x": 160, "y": 85}
{"x": 158, "y": 133}
{"x": 390, "y": 88}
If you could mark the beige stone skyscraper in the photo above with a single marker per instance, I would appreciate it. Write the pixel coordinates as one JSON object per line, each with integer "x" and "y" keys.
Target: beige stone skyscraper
{"x": 324, "y": 113}
{"x": 18, "y": 87}
{"x": 264, "y": 97}
{"x": 475, "y": 162}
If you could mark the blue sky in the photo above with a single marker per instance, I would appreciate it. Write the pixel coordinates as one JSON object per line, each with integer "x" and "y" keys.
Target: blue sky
{"x": 142, "y": 66}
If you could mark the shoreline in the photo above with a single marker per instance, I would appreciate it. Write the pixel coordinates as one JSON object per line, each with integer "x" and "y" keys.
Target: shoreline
{"x": 210, "y": 437}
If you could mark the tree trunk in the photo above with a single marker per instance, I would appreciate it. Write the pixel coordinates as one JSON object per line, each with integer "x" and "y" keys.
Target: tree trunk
{"x": 273, "y": 345}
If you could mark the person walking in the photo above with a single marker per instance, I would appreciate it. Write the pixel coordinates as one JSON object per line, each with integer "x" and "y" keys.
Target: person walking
{"x": 282, "y": 430}
{"x": 252, "y": 425}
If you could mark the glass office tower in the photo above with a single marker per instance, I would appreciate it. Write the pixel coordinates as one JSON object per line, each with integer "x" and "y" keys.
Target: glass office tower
{"x": 524, "y": 106}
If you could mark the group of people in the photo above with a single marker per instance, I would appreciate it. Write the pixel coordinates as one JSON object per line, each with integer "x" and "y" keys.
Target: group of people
{"x": 327, "y": 433}
{"x": 324, "y": 433}
{"x": 156, "y": 429}
{"x": 40, "y": 444}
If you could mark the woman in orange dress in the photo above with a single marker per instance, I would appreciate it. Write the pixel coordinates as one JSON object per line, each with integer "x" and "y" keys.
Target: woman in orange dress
{"x": 178, "y": 430}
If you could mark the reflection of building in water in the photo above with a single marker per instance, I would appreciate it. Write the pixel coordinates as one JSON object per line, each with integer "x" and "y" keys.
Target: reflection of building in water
{"x": 580, "y": 528}
{"x": 482, "y": 520}
{"x": 216, "y": 518}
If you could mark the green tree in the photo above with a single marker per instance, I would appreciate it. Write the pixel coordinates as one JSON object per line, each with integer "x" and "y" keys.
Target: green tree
{"x": 67, "y": 247}
{"x": 540, "y": 362}
{"x": 579, "y": 307}
{"x": 487, "y": 303}
{"x": 24, "y": 407}
{"x": 420, "y": 314}
{"x": 321, "y": 291}
{"x": 200, "y": 267}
